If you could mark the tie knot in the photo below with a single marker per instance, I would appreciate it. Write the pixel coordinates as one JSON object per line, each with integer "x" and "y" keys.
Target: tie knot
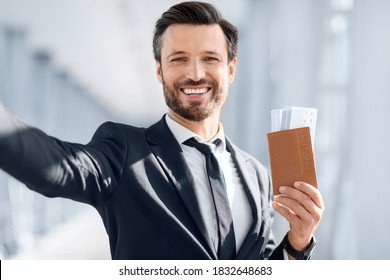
{"x": 203, "y": 148}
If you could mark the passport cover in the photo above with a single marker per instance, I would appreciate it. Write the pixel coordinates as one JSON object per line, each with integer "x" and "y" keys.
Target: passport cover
{"x": 291, "y": 157}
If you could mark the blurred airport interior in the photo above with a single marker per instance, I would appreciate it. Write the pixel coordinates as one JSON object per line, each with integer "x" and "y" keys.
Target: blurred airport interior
{"x": 67, "y": 66}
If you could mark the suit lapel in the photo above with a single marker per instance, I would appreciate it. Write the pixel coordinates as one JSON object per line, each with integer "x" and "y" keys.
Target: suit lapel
{"x": 250, "y": 183}
{"x": 171, "y": 158}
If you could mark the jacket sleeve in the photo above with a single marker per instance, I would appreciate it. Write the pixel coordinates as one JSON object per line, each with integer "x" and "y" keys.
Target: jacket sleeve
{"x": 85, "y": 173}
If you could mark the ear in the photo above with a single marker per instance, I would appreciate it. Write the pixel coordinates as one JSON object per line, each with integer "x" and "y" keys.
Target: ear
{"x": 232, "y": 69}
{"x": 159, "y": 71}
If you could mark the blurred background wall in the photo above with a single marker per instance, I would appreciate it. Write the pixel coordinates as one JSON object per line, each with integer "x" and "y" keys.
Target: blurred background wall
{"x": 67, "y": 66}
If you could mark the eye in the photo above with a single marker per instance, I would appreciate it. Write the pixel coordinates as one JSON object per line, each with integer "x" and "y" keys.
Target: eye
{"x": 178, "y": 59}
{"x": 211, "y": 59}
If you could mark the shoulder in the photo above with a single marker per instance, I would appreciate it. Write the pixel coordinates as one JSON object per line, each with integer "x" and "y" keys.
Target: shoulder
{"x": 111, "y": 129}
{"x": 116, "y": 136}
{"x": 118, "y": 133}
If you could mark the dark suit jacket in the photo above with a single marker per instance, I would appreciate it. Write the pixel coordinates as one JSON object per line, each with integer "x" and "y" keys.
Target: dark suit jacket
{"x": 139, "y": 182}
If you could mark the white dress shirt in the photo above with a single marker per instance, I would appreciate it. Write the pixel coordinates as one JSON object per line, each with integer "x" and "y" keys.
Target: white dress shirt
{"x": 239, "y": 204}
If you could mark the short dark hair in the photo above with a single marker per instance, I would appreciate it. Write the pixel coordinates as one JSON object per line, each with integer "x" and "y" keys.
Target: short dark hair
{"x": 196, "y": 13}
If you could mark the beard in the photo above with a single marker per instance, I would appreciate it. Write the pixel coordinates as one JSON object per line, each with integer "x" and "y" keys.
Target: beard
{"x": 196, "y": 110}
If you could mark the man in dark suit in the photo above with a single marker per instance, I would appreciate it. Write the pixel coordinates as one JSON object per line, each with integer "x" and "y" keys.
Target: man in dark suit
{"x": 150, "y": 186}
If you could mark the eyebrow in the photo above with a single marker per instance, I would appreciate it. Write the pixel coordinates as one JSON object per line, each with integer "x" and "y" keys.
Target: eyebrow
{"x": 213, "y": 53}
{"x": 174, "y": 53}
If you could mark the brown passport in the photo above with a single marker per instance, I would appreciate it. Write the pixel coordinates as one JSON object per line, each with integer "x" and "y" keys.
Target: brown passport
{"x": 291, "y": 157}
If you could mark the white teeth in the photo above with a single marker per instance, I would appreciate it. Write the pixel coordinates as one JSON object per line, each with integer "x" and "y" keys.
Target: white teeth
{"x": 189, "y": 91}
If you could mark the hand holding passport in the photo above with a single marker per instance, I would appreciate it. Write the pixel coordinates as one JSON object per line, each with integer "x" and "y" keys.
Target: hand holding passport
{"x": 290, "y": 146}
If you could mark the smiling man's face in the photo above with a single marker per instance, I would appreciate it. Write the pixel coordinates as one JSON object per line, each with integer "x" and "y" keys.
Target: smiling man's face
{"x": 194, "y": 70}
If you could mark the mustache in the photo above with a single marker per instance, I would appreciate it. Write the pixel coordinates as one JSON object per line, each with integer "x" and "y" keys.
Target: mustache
{"x": 189, "y": 82}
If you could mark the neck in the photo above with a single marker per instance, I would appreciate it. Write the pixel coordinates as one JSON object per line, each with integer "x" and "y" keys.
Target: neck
{"x": 206, "y": 128}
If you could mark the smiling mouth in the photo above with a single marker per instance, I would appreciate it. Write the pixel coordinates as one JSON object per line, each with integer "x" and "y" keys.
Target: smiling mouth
{"x": 193, "y": 91}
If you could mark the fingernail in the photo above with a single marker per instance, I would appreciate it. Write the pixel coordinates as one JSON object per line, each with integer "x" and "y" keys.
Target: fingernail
{"x": 275, "y": 204}
{"x": 282, "y": 189}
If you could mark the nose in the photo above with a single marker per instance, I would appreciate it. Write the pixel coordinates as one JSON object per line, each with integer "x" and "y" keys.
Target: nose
{"x": 195, "y": 70}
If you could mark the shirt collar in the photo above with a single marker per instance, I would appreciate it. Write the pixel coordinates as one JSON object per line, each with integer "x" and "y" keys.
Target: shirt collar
{"x": 182, "y": 133}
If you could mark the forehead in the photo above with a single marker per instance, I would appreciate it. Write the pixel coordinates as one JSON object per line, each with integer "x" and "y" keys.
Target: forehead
{"x": 194, "y": 39}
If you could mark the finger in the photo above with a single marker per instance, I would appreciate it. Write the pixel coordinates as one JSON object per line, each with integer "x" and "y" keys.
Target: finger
{"x": 294, "y": 206}
{"x": 300, "y": 199}
{"x": 297, "y": 216}
{"x": 311, "y": 191}
{"x": 289, "y": 215}
{"x": 306, "y": 194}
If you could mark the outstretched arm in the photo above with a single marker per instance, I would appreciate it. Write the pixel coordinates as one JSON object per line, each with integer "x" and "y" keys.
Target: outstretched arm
{"x": 85, "y": 173}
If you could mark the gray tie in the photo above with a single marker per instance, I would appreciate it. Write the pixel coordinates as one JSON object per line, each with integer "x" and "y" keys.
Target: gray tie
{"x": 227, "y": 243}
